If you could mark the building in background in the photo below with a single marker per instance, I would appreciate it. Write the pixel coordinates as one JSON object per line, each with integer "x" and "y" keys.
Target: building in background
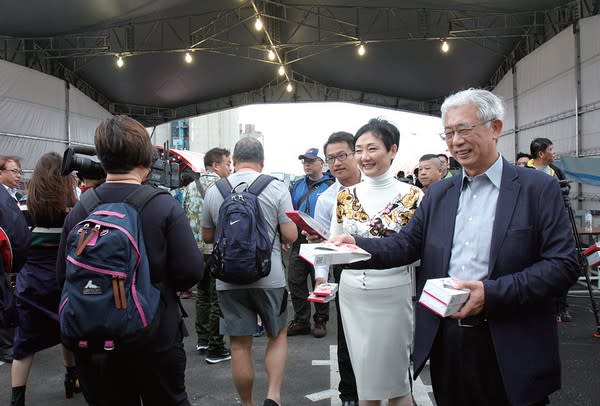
{"x": 199, "y": 134}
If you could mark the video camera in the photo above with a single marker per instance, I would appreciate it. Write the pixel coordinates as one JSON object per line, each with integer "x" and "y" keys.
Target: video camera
{"x": 164, "y": 173}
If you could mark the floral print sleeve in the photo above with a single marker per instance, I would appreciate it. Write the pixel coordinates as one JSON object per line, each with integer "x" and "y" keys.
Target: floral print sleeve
{"x": 395, "y": 215}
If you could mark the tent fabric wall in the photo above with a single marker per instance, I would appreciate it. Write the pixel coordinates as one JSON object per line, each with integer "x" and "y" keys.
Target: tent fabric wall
{"x": 33, "y": 114}
{"x": 84, "y": 116}
{"x": 546, "y": 99}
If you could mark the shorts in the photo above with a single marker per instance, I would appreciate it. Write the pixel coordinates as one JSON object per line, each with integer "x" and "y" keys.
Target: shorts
{"x": 241, "y": 306}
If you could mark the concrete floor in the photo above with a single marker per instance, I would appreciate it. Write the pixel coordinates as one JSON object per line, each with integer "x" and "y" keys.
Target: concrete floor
{"x": 310, "y": 376}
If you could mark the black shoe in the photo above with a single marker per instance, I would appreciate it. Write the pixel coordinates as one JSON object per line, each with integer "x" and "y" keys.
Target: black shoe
{"x": 270, "y": 402}
{"x": 296, "y": 328}
{"x": 320, "y": 329}
{"x": 218, "y": 356}
{"x": 260, "y": 331}
{"x": 202, "y": 346}
{"x": 350, "y": 403}
{"x": 71, "y": 385}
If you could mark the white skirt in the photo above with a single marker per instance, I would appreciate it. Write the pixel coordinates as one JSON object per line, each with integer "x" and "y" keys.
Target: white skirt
{"x": 376, "y": 309}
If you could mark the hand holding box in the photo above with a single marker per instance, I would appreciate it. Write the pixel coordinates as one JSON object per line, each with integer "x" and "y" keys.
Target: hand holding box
{"x": 441, "y": 297}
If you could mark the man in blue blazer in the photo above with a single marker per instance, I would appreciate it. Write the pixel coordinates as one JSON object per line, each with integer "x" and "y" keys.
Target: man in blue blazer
{"x": 502, "y": 232}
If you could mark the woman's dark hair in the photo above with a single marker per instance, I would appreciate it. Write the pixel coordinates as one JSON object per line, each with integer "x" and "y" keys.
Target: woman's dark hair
{"x": 382, "y": 129}
{"x": 122, "y": 144}
{"x": 49, "y": 194}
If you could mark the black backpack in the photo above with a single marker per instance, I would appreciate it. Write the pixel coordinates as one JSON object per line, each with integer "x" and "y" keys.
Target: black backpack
{"x": 242, "y": 248}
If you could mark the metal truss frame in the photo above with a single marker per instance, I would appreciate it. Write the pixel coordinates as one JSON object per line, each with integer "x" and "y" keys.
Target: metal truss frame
{"x": 311, "y": 31}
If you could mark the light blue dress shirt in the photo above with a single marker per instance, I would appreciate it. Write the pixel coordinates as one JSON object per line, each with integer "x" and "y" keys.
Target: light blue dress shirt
{"x": 470, "y": 257}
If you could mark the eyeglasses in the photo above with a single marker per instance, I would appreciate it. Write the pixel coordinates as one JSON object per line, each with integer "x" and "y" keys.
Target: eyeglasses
{"x": 342, "y": 156}
{"x": 463, "y": 130}
{"x": 308, "y": 161}
{"x": 15, "y": 171}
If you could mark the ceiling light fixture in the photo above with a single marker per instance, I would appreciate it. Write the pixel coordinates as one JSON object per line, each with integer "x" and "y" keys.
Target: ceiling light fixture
{"x": 120, "y": 62}
{"x": 361, "y": 49}
{"x": 188, "y": 57}
{"x": 289, "y": 87}
{"x": 258, "y": 25}
{"x": 281, "y": 70}
{"x": 271, "y": 55}
{"x": 445, "y": 46}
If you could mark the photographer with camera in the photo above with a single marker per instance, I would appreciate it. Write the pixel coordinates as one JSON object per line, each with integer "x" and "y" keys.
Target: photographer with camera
{"x": 543, "y": 155}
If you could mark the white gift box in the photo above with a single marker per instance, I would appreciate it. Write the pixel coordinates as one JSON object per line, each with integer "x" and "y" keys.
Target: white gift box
{"x": 441, "y": 297}
{"x": 327, "y": 253}
{"x": 320, "y": 299}
{"x": 326, "y": 289}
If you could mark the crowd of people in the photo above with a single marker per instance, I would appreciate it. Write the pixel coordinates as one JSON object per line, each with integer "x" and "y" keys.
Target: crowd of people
{"x": 497, "y": 229}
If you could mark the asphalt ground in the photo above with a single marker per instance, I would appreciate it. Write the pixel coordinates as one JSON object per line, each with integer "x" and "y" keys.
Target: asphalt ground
{"x": 311, "y": 373}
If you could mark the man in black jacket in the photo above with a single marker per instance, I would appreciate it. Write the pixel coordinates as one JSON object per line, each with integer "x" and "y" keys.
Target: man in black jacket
{"x": 15, "y": 239}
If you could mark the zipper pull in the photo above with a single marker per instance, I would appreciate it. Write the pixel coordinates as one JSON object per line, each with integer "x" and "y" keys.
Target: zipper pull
{"x": 94, "y": 233}
{"x": 122, "y": 292}
{"x": 116, "y": 295}
{"x": 83, "y": 231}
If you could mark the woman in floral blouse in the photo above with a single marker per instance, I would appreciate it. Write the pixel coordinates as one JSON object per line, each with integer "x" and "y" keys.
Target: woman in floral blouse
{"x": 376, "y": 305}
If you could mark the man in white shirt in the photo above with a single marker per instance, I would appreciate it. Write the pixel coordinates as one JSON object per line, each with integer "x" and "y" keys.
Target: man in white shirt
{"x": 339, "y": 154}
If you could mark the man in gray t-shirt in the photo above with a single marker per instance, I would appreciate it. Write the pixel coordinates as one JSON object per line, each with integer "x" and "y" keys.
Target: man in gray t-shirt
{"x": 267, "y": 297}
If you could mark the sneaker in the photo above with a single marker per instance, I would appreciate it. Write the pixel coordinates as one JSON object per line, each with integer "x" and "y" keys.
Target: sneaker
{"x": 202, "y": 346}
{"x": 219, "y": 356}
{"x": 296, "y": 328}
{"x": 320, "y": 329}
{"x": 260, "y": 331}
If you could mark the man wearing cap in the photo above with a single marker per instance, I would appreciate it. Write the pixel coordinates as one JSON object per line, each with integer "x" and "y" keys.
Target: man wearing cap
{"x": 305, "y": 193}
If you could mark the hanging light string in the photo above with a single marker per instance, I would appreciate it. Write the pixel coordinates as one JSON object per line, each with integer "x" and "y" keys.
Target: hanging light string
{"x": 282, "y": 68}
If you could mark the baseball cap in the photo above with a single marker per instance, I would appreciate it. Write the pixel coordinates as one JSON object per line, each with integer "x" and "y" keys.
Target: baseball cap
{"x": 312, "y": 153}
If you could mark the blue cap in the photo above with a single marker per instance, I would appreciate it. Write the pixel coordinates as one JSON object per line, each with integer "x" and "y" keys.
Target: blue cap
{"x": 311, "y": 153}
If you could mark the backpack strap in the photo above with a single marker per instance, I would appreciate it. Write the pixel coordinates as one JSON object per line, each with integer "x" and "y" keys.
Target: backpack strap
{"x": 260, "y": 184}
{"x": 224, "y": 187}
{"x": 142, "y": 195}
{"x": 90, "y": 200}
{"x": 256, "y": 188}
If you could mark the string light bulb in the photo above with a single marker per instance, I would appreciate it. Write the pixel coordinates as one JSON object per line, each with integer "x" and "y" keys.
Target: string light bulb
{"x": 120, "y": 62}
{"x": 361, "y": 50}
{"x": 188, "y": 57}
{"x": 271, "y": 55}
{"x": 281, "y": 70}
{"x": 258, "y": 25}
{"x": 289, "y": 87}
{"x": 445, "y": 46}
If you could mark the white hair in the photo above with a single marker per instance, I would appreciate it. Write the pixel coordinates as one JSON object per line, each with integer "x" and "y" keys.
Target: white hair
{"x": 490, "y": 106}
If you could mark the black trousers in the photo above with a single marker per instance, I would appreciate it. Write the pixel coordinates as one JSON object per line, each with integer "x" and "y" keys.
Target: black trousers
{"x": 347, "y": 386}
{"x": 464, "y": 369}
{"x": 128, "y": 378}
{"x": 299, "y": 272}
